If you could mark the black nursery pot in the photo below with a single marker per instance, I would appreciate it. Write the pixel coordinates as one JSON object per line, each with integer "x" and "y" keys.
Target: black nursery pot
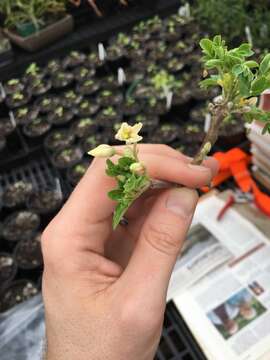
{"x": 6, "y": 126}
{"x": 60, "y": 116}
{"x": 39, "y": 87}
{"x": 108, "y": 117}
{"x": 92, "y": 141}
{"x": 155, "y": 106}
{"x": 25, "y": 115}
{"x": 62, "y": 79}
{"x": 194, "y": 134}
{"x": 76, "y": 172}
{"x": 93, "y": 61}
{"x": 28, "y": 254}
{"x": 37, "y": 127}
{"x": 109, "y": 83}
{"x": 87, "y": 108}
{"x": 13, "y": 85}
{"x": 150, "y": 123}
{"x": 45, "y": 201}
{"x": 59, "y": 139}
{"x": 131, "y": 107}
{"x": 15, "y": 293}
{"x": 84, "y": 127}
{"x": 109, "y": 98}
{"x": 67, "y": 157}
{"x": 166, "y": 134}
{"x": 74, "y": 59}
{"x": 16, "y": 194}
{"x": 88, "y": 87}
{"x": 83, "y": 73}
{"x": 8, "y": 269}
{"x": 20, "y": 225}
{"x": 18, "y": 99}
{"x": 53, "y": 67}
{"x": 46, "y": 104}
{"x": 70, "y": 99}
{"x": 231, "y": 135}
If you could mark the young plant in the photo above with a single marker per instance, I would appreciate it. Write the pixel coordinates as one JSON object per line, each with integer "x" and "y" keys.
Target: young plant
{"x": 241, "y": 81}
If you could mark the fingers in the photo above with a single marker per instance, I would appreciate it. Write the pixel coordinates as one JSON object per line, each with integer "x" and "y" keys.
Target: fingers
{"x": 159, "y": 243}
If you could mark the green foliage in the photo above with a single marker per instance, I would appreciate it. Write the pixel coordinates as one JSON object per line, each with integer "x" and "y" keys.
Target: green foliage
{"x": 36, "y": 12}
{"x": 129, "y": 186}
{"x": 230, "y": 17}
{"x": 240, "y": 78}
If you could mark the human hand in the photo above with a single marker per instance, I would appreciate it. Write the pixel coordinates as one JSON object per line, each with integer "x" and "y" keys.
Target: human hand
{"x": 105, "y": 292}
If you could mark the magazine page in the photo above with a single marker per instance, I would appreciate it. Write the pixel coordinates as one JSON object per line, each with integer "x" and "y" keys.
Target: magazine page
{"x": 228, "y": 310}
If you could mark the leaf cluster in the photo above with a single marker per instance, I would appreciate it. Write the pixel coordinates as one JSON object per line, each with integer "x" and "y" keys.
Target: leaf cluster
{"x": 240, "y": 77}
{"x": 129, "y": 186}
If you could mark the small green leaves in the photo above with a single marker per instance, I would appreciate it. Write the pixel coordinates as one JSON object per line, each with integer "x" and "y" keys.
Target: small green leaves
{"x": 265, "y": 65}
{"x": 259, "y": 85}
{"x": 207, "y": 46}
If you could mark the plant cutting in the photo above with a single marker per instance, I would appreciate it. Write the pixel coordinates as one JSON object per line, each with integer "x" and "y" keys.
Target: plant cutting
{"x": 87, "y": 87}
{"x": 25, "y": 115}
{"x": 67, "y": 157}
{"x": 38, "y": 127}
{"x": 240, "y": 80}
{"x": 108, "y": 116}
{"x": 109, "y": 97}
{"x": 33, "y": 24}
{"x": 17, "y": 99}
{"x": 70, "y": 99}
{"x": 82, "y": 73}
{"x": 62, "y": 79}
{"x": 60, "y": 116}
{"x": 83, "y": 127}
{"x": 46, "y": 104}
{"x": 13, "y": 85}
{"x": 74, "y": 59}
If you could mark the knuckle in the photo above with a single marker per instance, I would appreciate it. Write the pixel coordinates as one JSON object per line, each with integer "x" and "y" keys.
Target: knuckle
{"x": 161, "y": 238}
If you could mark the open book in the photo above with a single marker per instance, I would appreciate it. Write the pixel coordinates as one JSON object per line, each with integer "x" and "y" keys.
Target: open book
{"x": 227, "y": 304}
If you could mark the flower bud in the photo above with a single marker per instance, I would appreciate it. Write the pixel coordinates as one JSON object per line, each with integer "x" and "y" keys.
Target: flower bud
{"x": 252, "y": 101}
{"x": 137, "y": 168}
{"x": 102, "y": 151}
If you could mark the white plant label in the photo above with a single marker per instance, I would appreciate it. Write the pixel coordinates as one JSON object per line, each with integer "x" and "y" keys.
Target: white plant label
{"x": 12, "y": 119}
{"x": 184, "y": 11}
{"x": 101, "y": 52}
{"x": 121, "y": 76}
{"x": 58, "y": 188}
{"x": 169, "y": 98}
{"x": 207, "y": 122}
{"x": 248, "y": 35}
{"x": 2, "y": 90}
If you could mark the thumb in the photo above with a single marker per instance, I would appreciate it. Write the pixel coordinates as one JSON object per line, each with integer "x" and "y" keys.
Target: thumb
{"x": 160, "y": 242}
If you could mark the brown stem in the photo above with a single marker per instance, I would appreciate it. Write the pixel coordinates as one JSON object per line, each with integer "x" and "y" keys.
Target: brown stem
{"x": 218, "y": 114}
{"x": 94, "y": 6}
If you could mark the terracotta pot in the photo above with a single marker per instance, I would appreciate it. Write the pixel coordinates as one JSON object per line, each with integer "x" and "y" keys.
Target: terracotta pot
{"x": 44, "y": 37}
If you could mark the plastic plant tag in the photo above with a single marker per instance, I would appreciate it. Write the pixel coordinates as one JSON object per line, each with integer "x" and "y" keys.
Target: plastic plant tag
{"x": 121, "y": 76}
{"x": 2, "y": 91}
{"x": 169, "y": 98}
{"x": 249, "y": 35}
{"x": 184, "y": 11}
{"x": 58, "y": 188}
{"x": 101, "y": 52}
{"x": 12, "y": 119}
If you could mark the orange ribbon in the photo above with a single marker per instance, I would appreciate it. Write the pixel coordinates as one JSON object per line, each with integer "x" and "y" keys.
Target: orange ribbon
{"x": 235, "y": 163}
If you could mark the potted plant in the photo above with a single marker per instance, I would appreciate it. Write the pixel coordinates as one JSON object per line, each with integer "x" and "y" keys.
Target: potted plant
{"x": 67, "y": 157}
{"x": 83, "y": 127}
{"x": 26, "y": 114}
{"x": 59, "y": 139}
{"x": 70, "y": 99}
{"x": 60, "y": 115}
{"x": 36, "y": 23}
{"x": 87, "y": 108}
{"x": 76, "y": 172}
{"x": 46, "y": 103}
{"x": 17, "y": 292}
{"x": 20, "y": 225}
{"x": 37, "y": 127}
{"x": 44, "y": 201}
{"x": 27, "y": 253}
{"x": 16, "y": 194}
{"x": 8, "y": 269}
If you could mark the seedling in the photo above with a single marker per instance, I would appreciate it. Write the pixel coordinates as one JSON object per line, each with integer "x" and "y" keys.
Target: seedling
{"x": 240, "y": 80}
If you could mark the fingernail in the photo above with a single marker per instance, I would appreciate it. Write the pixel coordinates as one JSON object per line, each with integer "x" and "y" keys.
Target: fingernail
{"x": 198, "y": 168}
{"x": 182, "y": 201}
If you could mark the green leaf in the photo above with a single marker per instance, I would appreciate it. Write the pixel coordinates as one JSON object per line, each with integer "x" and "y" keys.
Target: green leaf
{"x": 238, "y": 69}
{"x": 217, "y": 40}
{"x": 259, "y": 85}
{"x": 245, "y": 50}
{"x": 210, "y": 64}
{"x": 251, "y": 64}
{"x": 125, "y": 162}
{"x": 112, "y": 169}
{"x": 206, "y": 83}
{"x": 244, "y": 86}
{"x": 116, "y": 194}
{"x": 265, "y": 65}
{"x": 119, "y": 212}
{"x": 207, "y": 46}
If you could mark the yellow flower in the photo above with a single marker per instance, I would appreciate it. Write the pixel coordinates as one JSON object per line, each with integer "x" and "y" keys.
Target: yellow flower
{"x": 129, "y": 134}
{"x": 103, "y": 151}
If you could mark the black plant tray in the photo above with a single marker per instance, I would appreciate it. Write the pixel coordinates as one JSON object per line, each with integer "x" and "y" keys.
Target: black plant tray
{"x": 88, "y": 34}
{"x": 177, "y": 343}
